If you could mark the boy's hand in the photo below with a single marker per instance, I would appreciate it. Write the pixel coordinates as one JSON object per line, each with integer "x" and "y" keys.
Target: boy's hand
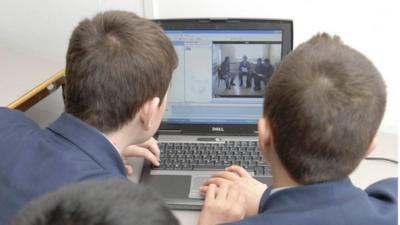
{"x": 238, "y": 177}
{"x": 148, "y": 150}
{"x": 223, "y": 205}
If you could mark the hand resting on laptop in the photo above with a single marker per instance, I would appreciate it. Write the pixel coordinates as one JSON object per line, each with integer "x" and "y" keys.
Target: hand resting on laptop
{"x": 237, "y": 178}
{"x": 223, "y": 205}
{"x": 149, "y": 150}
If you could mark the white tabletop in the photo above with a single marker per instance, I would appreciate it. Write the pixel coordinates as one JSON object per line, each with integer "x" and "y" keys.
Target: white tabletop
{"x": 367, "y": 173}
{"x": 21, "y": 72}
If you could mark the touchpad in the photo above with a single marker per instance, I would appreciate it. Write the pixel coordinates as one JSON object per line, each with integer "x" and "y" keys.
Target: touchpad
{"x": 170, "y": 186}
{"x": 195, "y": 184}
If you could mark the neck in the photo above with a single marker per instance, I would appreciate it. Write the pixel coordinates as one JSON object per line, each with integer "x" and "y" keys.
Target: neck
{"x": 122, "y": 138}
{"x": 281, "y": 177}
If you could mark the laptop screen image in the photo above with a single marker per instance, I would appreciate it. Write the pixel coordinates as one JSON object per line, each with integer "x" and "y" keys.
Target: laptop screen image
{"x": 222, "y": 74}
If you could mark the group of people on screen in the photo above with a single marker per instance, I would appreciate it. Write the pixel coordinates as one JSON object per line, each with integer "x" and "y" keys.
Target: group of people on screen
{"x": 255, "y": 73}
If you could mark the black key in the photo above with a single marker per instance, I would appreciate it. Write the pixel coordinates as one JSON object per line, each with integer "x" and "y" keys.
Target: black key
{"x": 177, "y": 166}
{"x": 246, "y": 167}
{"x": 258, "y": 170}
{"x": 170, "y": 167}
{"x": 187, "y": 167}
{"x": 197, "y": 157}
{"x": 250, "y": 168}
{"x": 261, "y": 163}
{"x": 229, "y": 157}
{"x": 252, "y": 163}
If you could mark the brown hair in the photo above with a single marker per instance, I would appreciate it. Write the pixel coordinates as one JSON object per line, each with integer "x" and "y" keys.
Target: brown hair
{"x": 324, "y": 103}
{"x": 115, "y": 63}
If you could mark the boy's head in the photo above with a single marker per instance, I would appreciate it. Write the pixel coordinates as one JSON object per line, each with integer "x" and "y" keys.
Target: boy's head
{"x": 322, "y": 109}
{"x": 97, "y": 202}
{"x": 116, "y": 62}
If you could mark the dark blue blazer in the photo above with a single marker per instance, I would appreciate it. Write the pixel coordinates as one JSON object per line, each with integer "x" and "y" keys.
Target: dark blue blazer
{"x": 35, "y": 161}
{"x": 331, "y": 203}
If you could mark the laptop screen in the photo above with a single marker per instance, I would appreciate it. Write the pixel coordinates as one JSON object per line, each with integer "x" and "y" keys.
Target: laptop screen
{"x": 222, "y": 74}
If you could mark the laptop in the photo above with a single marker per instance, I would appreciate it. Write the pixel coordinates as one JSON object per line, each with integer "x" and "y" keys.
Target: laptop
{"x": 214, "y": 102}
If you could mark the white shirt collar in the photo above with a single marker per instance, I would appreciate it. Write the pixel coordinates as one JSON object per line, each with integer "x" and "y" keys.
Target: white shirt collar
{"x": 274, "y": 190}
{"x": 115, "y": 147}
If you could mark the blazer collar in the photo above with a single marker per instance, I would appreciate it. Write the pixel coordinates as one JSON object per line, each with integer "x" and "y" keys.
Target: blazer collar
{"x": 90, "y": 141}
{"x": 308, "y": 195}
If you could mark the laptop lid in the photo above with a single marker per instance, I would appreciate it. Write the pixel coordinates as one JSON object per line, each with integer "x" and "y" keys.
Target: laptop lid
{"x": 205, "y": 96}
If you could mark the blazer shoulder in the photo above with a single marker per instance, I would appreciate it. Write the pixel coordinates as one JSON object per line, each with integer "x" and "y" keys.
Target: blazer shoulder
{"x": 384, "y": 189}
{"x": 12, "y": 117}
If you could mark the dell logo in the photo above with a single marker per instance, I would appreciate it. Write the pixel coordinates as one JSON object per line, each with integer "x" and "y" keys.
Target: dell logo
{"x": 218, "y": 129}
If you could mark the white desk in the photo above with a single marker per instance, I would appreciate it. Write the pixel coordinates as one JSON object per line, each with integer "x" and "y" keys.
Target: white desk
{"x": 22, "y": 76}
{"x": 367, "y": 173}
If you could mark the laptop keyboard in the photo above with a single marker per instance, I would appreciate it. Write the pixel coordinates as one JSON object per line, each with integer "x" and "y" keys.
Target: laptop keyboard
{"x": 212, "y": 156}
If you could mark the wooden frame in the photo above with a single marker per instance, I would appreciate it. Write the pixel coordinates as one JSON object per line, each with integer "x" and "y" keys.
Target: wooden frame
{"x": 39, "y": 92}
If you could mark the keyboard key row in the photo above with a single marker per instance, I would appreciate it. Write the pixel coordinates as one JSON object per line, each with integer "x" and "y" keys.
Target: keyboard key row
{"x": 212, "y": 156}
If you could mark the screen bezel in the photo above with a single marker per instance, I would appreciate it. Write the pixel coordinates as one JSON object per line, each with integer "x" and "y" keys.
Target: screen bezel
{"x": 221, "y": 24}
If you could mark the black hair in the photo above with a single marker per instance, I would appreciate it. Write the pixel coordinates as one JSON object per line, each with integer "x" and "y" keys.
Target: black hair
{"x": 113, "y": 202}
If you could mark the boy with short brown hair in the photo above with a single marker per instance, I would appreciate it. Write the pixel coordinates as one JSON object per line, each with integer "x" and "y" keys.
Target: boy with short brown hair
{"x": 322, "y": 110}
{"x": 118, "y": 71}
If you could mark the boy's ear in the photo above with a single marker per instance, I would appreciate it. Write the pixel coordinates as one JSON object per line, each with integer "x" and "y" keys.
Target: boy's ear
{"x": 148, "y": 111}
{"x": 264, "y": 134}
{"x": 372, "y": 146}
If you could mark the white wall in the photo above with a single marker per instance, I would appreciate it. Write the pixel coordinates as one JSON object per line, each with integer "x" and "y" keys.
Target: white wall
{"x": 369, "y": 26}
{"x": 42, "y": 28}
